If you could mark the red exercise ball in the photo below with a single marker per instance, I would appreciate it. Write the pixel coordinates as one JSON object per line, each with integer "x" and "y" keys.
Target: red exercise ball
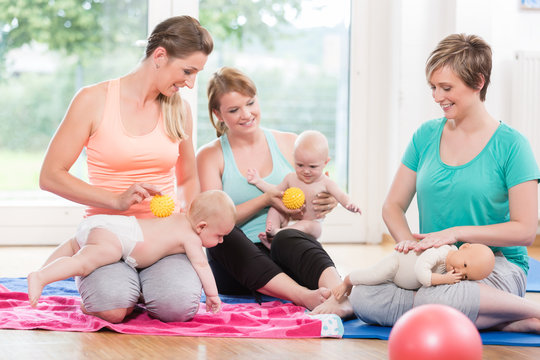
{"x": 434, "y": 332}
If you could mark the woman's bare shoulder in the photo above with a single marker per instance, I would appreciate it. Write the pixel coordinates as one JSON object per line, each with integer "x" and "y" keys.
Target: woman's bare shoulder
{"x": 210, "y": 150}
{"x": 93, "y": 95}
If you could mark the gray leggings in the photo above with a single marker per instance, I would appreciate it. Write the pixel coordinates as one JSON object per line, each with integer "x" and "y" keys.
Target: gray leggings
{"x": 384, "y": 304}
{"x": 170, "y": 288}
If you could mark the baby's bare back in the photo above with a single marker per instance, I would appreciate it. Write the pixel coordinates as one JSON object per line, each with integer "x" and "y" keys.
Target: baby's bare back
{"x": 162, "y": 237}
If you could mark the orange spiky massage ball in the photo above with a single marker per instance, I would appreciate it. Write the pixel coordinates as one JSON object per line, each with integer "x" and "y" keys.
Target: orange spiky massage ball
{"x": 293, "y": 198}
{"x": 162, "y": 205}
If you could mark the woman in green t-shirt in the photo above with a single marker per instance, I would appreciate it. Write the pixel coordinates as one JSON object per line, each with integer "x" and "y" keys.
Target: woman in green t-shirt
{"x": 476, "y": 181}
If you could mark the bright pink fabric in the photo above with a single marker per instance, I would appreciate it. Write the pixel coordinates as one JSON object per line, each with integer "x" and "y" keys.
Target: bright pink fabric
{"x": 269, "y": 320}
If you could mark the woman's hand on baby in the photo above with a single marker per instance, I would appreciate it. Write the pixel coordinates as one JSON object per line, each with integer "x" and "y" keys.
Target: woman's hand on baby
{"x": 135, "y": 194}
{"x": 435, "y": 239}
{"x": 213, "y": 304}
{"x": 405, "y": 246}
{"x": 276, "y": 201}
{"x": 323, "y": 204}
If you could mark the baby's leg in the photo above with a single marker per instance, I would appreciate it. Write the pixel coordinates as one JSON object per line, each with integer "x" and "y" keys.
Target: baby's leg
{"x": 379, "y": 273}
{"x": 310, "y": 227}
{"x": 274, "y": 222}
{"x": 67, "y": 248}
{"x": 102, "y": 248}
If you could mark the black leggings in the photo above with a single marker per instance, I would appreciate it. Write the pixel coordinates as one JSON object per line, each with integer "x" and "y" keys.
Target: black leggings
{"x": 242, "y": 267}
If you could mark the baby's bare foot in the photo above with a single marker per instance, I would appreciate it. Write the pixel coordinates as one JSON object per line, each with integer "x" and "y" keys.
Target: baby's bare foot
{"x": 264, "y": 240}
{"x": 35, "y": 287}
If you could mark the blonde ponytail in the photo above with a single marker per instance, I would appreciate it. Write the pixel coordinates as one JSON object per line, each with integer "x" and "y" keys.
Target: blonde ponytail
{"x": 174, "y": 116}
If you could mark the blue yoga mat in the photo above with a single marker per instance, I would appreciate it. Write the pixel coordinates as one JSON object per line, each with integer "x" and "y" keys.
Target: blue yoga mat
{"x": 357, "y": 329}
{"x": 68, "y": 288}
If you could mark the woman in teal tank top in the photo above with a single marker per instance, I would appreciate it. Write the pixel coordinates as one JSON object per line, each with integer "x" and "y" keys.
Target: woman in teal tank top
{"x": 476, "y": 181}
{"x": 241, "y": 264}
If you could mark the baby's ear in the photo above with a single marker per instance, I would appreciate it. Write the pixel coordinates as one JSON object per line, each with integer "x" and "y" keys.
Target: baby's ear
{"x": 200, "y": 226}
{"x": 465, "y": 245}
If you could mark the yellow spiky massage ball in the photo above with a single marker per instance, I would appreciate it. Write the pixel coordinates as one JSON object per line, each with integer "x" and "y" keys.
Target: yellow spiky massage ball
{"x": 293, "y": 198}
{"x": 162, "y": 205}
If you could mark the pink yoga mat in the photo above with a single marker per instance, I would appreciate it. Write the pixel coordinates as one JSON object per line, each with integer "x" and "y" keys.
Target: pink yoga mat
{"x": 268, "y": 320}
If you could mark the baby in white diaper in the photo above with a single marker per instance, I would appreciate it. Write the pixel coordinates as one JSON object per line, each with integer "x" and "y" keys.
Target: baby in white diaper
{"x": 105, "y": 239}
{"x": 125, "y": 228}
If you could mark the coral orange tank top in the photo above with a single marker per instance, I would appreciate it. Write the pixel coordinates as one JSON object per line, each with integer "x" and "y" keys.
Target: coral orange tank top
{"x": 117, "y": 159}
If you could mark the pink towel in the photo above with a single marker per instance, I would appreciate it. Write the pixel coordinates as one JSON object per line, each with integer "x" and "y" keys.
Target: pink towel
{"x": 269, "y": 320}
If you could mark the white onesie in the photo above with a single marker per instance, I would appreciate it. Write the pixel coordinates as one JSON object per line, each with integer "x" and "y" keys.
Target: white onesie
{"x": 126, "y": 228}
{"x": 408, "y": 271}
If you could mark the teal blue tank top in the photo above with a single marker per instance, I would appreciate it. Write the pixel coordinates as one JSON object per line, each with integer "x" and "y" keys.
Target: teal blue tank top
{"x": 236, "y": 186}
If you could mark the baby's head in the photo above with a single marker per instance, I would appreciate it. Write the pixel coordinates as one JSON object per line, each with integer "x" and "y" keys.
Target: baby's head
{"x": 213, "y": 215}
{"x": 310, "y": 155}
{"x": 474, "y": 261}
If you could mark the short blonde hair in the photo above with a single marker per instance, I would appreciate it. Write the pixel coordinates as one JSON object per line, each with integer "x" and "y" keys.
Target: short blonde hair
{"x": 180, "y": 36}
{"x": 469, "y": 56}
{"x": 223, "y": 81}
{"x": 211, "y": 205}
{"x": 312, "y": 141}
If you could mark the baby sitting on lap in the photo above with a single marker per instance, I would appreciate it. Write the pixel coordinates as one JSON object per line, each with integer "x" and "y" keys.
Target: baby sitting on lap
{"x": 310, "y": 158}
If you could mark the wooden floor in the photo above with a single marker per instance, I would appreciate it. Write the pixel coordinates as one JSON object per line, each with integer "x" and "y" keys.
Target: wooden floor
{"x": 40, "y": 344}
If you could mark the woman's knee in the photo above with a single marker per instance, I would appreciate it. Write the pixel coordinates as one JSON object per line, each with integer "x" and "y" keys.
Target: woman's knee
{"x": 114, "y": 286}
{"x": 113, "y": 316}
{"x": 286, "y": 241}
{"x": 174, "y": 303}
{"x": 171, "y": 289}
{"x": 174, "y": 309}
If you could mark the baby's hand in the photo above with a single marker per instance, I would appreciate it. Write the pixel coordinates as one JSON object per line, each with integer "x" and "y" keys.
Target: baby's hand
{"x": 452, "y": 277}
{"x": 253, "y": 176}
{"x": 213, "y": 304}
{"x": 353, "y": 208}
{"x": 341, "y": 290}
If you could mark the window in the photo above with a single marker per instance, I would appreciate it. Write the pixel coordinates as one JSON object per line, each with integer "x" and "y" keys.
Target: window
{"x": 47, "y": 54}
{"x": 297, "y": 54}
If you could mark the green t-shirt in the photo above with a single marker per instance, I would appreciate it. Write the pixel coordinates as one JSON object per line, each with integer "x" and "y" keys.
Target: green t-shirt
{"x": 475, "y": 193}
